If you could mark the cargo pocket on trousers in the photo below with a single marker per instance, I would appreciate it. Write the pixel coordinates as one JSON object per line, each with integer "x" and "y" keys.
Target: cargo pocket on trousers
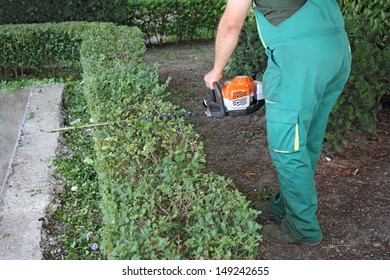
{"x": 272, "y": 79}
{"x": 282, "y": 130}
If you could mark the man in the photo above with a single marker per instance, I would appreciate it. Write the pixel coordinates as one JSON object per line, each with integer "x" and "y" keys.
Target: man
{"x": 309, "y": 63}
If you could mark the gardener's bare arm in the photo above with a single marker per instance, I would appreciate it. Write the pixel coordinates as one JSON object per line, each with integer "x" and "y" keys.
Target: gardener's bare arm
{"x": 229, "y": 29}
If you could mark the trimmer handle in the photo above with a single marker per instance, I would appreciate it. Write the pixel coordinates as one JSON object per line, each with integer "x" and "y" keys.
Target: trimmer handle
{"x": 216, "y": 107}
{"x": 212, "y": 93}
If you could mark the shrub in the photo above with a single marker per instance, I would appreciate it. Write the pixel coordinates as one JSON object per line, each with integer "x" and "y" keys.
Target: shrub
{"x": 181, "y": 19}
{"x": 157, "y": 203}
{"x": 373, "y": 16}
{"x": 40, "y": 47}
{"x": 356, "y": 110}
{"x": 42, "y": 11}
{"x": 177, "y": 19}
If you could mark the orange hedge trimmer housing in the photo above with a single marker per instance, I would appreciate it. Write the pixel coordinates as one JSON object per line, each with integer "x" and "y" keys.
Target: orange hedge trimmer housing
{"x": 238, "y": 96}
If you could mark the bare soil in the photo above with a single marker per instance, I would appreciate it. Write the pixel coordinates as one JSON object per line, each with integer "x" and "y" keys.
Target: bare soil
{"x": 352, "y": 186}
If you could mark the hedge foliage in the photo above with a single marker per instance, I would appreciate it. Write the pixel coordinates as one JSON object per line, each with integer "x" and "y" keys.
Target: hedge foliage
{"x": 158, "y": 19}
{"x": 42, "y": 11}
{"x": 181, "y": 19}
{"x": 157, "y": 203}
{"x": 367, "y": 23}
{"x": 39, "y": 47}
{"x": 373, "y": 15}
{"x": 355, "y": 113}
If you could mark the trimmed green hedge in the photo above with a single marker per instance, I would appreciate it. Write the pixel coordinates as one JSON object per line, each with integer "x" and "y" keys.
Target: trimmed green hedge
{"x": 40, "y": 47}
{"x": 156, "y": 201}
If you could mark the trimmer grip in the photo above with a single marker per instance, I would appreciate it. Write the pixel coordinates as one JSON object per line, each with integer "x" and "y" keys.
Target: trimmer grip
{"x": 219, "y": 99}
{"x": 212, "y": 91}
{"x": 217, "y": 87}
{"x": 212, "y": 96}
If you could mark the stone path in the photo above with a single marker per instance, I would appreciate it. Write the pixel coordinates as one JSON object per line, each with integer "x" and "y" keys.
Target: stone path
{"x": 29, "y": 187}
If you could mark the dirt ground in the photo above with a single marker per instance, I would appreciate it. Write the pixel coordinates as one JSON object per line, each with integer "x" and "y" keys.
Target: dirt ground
{"x": 352, "y": 186}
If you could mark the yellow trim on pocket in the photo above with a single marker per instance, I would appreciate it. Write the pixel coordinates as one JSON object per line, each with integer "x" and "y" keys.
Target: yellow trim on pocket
{"x": 282, "y": 130}
{"x": 296, "y": 142}
{"x": 270, "y": 102}
{"x": 283, "y": 152}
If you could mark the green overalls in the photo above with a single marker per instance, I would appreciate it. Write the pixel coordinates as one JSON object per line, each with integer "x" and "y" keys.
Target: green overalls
{"x": 309, "y": 62}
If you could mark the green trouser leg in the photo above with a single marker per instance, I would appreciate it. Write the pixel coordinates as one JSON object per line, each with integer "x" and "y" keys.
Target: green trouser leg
{"x": 296, "y": 205}
{"x": 297, "y": 115}
{"x": 308, "y": 65}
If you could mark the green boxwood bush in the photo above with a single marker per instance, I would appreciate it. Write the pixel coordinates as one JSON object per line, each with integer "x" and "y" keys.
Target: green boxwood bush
{"x": 40, "y": 47}
{"x": 157, "y": 203}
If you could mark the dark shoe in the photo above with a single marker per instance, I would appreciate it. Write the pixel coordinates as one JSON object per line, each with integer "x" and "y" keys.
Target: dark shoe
{"x": 273, "y": 233}
{"x": 266, "y": 212}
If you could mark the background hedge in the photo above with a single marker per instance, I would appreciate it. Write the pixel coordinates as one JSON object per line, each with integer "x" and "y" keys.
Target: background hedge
{"x": 41, "y": 11}
{"x": 178, "y": 19}
{"x": 158, "y": 19}
{"x": 39, "y": 47}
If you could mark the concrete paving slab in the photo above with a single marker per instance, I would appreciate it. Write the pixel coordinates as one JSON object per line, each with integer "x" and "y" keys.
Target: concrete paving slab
{"x": 30, "y": 184}
{"x": 12, "y": 115}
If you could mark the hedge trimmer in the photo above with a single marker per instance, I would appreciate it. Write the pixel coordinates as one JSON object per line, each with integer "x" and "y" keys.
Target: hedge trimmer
{"x": 237, "y": 97}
